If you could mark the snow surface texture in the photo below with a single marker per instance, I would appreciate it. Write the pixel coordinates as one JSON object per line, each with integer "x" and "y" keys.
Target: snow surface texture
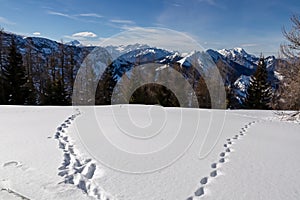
{"x": 256, "y": 157}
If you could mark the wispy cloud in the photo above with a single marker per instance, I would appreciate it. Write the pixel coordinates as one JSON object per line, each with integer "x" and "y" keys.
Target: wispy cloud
{"x": 6, "y": 21}
{"x": 155, "y": 37}
{"x": 214, "y": 3}
{"x": 249, "y": 45}
{"x": 84, "y": 17}
{"x": 211, "y": 2}
{"x": 61, "y": 14}
{"x": 36, "y": 33}
{"x": 176, "y": 5}
{"x": 90, "y": 15}
{"x": 121, "y": 21}
{"x": 84, "y": 35}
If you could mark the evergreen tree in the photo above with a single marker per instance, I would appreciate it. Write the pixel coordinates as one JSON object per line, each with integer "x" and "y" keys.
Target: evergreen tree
{"x": 232, "y": 101}
{"x": 259, "y": 90}
{"x": 55, "y": 94}
{"x": 29, "y": 66}
{"x": 15, "y": 77}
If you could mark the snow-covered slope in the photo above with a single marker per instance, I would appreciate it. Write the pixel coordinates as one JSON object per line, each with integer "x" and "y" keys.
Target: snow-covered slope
{"x": 255, "y": 156}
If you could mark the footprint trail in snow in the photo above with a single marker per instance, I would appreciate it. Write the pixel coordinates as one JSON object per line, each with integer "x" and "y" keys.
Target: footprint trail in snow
{"x": 75, "y": 169}
{"x": 223, "y": 158}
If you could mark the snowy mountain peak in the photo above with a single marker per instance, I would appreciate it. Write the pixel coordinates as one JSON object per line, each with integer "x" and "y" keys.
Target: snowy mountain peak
{"x": 75, "y": 43}
{"x": 190, "y": 59}
{"x": 240, "y": 50}
{"x": 117, "y": 51}
{"x": 235, "y": 52}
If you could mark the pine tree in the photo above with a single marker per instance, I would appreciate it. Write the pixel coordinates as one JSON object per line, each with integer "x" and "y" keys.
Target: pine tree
{"x": 55, "y": 94}
{"x": 15, "y": 77}
{"x": 31, "y": 94}
{"x": 259, "y": 92}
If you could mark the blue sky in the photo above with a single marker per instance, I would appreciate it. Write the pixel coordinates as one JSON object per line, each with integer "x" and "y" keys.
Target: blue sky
{"x": 254, "y": 25}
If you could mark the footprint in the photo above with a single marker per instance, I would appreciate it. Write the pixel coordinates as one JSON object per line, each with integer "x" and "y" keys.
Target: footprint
{"x": 69, "y": 179}
{"x": 222, "y": 160}
{"x": 11, "y": 164}
{"x": 89, "y": 171}
{"x": 214, "y": 165}
{"x": 66, "y": 139}
{"x": 229, "y": 142}
{"x": 204, "y": 180}
{"x": 87, "y": 160}
{"x": 213, "y": 173}
{"x": 82, "y": 185}
{"x": 228, "y": 150}
{"x": 67, "y": 159}
{"x": 62, "y": 168}
{"x": 71, "y": 150}
{"x": 57, "y": 134}
{"x": 229, "y": 139}
{"x": 62, "y": 145}
{"x": 63, "y": 173}
{"x": 225, "y": 145}
{"x": 199, "y": 192}
{"x": 222, "y": 154}
{"x": 64, "y": 125}
{"x": 190, "y": 198}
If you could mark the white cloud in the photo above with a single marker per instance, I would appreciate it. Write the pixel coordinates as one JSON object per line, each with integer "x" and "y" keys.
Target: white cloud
{"x": 60, "y": 14}
{"x": 90, "y": 15}
{"x": 6, "y": 21}
{"x": 84, "y": 35}
{"x": 250, "y": 45}
{"x": 155, "y": 37}
{"x": 120, "y": 21}
{"x": 36, "y": 33}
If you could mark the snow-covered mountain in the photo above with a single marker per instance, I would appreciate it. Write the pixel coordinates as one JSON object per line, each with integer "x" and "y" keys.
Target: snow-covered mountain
{"x": 238, "y": 66}
{"x": 74, "y": 43}
{"x": 235, "y": 65}
{"x": 240, "y": 56}
{"x": 116, "y": 51}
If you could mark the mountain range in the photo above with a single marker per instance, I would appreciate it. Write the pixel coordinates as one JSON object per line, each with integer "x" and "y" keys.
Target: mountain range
{"x": 235, "y": 65}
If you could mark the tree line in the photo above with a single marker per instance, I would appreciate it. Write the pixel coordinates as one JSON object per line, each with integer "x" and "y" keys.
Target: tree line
{"x": 32, "y": 77}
